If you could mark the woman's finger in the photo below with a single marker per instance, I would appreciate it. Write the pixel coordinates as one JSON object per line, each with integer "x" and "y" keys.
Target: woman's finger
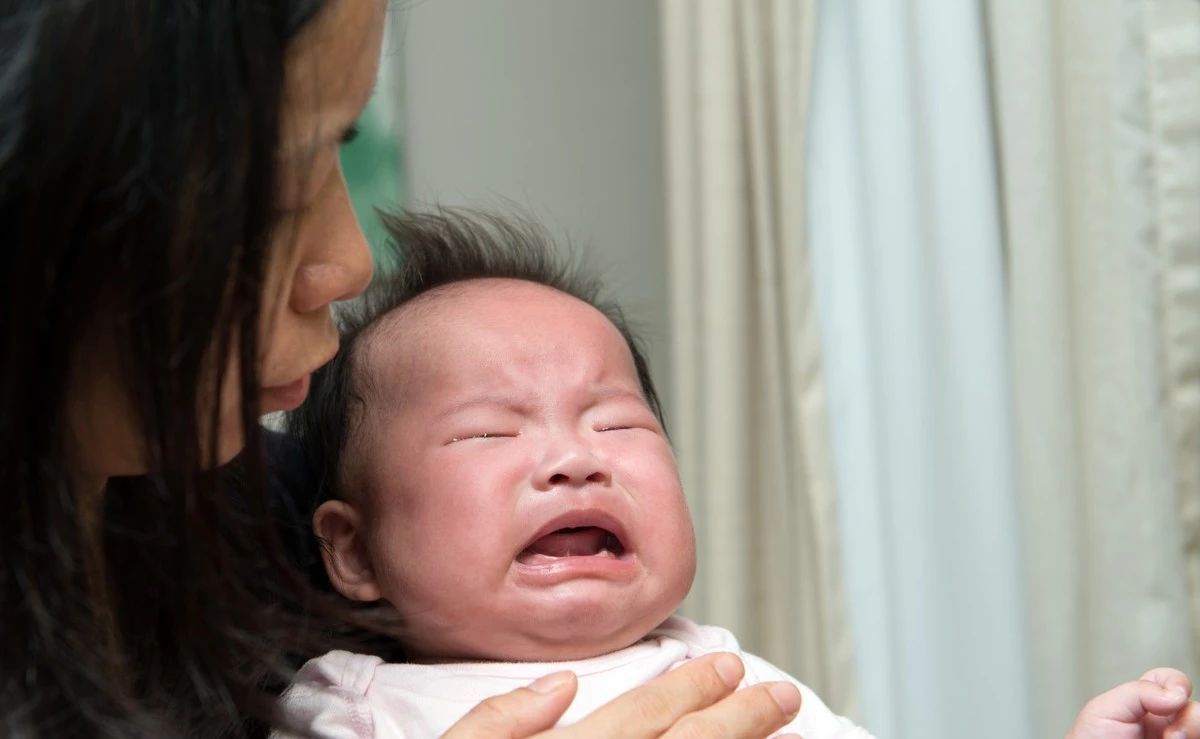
{"x": 650, "y": 710}
{"x": 750, "y": 713}
{"x": 521, "y": 713}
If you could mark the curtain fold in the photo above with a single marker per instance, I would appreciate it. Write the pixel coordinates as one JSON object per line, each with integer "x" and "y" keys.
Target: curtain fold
{"x": 1173, "y": 75}
{"x": 906, "y": 242}
{"x": 1099, "y": 143}
{"x": 748, "y": 391}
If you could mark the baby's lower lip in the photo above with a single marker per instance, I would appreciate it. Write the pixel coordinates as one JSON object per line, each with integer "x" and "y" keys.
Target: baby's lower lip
{"x": 543, "y": 570}
{"x": 541, "y": 560}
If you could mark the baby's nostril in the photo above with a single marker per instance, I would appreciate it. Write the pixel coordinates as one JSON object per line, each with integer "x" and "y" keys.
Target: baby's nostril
{"x": 557, "y": 478}
{"x": 596, "y": 477}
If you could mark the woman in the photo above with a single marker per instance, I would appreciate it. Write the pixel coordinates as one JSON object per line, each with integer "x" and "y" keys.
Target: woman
{"x": 175, "y": 228}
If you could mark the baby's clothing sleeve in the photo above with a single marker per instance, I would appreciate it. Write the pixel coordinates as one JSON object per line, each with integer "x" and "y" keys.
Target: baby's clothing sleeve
{"x": 328, "y": 698}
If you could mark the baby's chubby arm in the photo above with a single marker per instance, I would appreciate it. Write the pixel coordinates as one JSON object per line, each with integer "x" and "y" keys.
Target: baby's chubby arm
{"x": 1153, "y": 707}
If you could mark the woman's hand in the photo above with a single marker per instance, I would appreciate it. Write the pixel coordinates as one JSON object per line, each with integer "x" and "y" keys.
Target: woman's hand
{"x": 1154, "y": 707}
{"x": 694, "y": 701}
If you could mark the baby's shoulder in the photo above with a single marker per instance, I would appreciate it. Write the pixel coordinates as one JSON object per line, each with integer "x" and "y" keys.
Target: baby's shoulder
{"x": 327, "y": 698}
{"x": 338, "y": 669}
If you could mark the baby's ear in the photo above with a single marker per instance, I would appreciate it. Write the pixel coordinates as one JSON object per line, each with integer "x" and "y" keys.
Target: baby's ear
{"x": 339, "y": 528}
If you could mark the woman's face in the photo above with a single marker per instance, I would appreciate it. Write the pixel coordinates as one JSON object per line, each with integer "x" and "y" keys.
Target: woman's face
{"x": 320, "y": 255}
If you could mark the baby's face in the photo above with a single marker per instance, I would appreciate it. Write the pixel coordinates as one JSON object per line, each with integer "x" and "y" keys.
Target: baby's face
{"x": 525, "y": 503}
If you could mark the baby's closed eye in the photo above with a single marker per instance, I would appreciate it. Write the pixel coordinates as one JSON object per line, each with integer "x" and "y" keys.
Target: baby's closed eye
{"x": 467, "y": 436}
{"x": 632, "y": 422}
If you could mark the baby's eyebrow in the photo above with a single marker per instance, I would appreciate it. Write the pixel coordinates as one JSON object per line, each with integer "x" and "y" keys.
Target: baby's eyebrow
{"x": 484, "y": 401}
{"x": 616, "y": 393}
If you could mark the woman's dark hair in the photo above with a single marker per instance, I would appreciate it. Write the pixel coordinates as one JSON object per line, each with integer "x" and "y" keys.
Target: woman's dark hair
{"x": 137, "y": 180}
{"x": 451, "y": 245}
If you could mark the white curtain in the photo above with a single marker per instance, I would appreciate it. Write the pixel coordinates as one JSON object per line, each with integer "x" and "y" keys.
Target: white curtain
{"x": 1098, "y": 113}
{"x": 908, "y": 267}
{"x": 748, "y": 390}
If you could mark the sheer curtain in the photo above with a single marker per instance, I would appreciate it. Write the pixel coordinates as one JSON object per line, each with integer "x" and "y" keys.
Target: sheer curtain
{"x": 1098, "y": 111}
{"x": 1008, "y": 271}
{"x": 908, "y": 264}
{"x": 1001, "y": 229}
{"x": 749, "y": 393}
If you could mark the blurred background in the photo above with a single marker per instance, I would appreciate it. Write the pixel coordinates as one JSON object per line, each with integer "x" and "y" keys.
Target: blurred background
{"x": 921, "y": 282}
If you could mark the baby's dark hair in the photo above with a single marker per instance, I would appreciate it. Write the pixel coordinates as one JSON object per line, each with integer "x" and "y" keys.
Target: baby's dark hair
{"x": 435, "y": 249}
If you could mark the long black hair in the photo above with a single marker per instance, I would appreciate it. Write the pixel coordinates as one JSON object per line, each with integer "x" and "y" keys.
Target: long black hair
{"x": 137, "y": 178}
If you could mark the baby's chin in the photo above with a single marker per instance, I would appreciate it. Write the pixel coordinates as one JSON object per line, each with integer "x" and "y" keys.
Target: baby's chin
{"x": 604, "y": 630}
{"x": 519, "y": 648}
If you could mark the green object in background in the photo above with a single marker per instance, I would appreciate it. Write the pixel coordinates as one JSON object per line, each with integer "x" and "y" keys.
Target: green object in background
{"x": 372, "y": 166}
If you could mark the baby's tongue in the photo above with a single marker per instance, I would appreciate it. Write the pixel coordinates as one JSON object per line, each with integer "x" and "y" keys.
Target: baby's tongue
{"x": 584, "y": 541}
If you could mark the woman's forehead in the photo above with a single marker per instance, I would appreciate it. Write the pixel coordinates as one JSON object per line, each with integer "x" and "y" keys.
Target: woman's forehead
{"x": 331, "y": 70}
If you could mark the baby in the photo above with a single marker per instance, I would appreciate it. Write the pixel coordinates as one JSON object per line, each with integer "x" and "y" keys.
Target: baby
{"x": 499, "y": 474}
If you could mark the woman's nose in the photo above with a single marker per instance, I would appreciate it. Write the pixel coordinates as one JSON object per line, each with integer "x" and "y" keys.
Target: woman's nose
{"x": 571, "y": 466}
{"x": 339, "y": 266}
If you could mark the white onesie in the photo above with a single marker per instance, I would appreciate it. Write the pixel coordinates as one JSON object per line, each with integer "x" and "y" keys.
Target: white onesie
{"x": 354, "y": 695}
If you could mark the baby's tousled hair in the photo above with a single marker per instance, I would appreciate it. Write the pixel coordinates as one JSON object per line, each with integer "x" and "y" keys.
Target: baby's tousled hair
{"x": 433, "y": 250}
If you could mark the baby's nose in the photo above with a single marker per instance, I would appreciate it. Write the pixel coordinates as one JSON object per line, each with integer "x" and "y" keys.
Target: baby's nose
{"x": 573, "y": 468}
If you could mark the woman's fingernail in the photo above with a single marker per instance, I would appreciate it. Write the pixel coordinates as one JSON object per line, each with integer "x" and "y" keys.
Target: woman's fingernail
{"x": 551, "y": 683}
{"x": 730, "y": 669}
{"x": 1175, "y": 734}
{"x": 787, "y": 697}
{"x": 1178, "y": 693}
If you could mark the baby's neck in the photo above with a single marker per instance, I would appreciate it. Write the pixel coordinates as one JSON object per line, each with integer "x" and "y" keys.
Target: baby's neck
{"x": 436, "y": 659}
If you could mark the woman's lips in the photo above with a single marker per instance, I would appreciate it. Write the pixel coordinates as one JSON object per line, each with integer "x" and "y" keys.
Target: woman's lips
{"x": 285, "y": 397}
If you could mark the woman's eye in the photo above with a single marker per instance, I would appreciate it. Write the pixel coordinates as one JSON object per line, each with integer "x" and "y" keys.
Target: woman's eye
{"x": 615, "y": 427}
{"x": 350, "y": 133}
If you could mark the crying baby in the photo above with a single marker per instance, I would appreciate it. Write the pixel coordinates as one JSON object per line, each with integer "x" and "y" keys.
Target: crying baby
{"x": 505, "y": 483}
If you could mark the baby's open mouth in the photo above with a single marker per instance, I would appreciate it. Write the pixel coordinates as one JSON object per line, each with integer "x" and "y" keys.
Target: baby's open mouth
{"x": 583, "y": 541}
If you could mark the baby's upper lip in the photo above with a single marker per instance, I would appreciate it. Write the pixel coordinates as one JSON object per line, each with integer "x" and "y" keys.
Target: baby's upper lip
{"x": 579, "y": 518}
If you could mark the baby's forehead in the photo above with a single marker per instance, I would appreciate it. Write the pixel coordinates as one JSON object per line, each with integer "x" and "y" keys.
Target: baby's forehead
{"x": 468, "y": 296}
{"x": 509, "y": 307}
{"x": 505, "y": 322}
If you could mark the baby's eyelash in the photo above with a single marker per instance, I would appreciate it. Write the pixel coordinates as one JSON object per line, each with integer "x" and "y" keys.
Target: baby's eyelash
{"x": 484, "y": 435}
{"x": 481, "y": 435}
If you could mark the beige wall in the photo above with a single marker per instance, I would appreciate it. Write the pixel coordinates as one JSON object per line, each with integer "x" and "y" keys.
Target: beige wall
{"x": 554, "y": 105}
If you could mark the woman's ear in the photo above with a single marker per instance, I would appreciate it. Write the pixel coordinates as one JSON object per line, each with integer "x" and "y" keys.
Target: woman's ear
{"x": 339, "y": 528}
